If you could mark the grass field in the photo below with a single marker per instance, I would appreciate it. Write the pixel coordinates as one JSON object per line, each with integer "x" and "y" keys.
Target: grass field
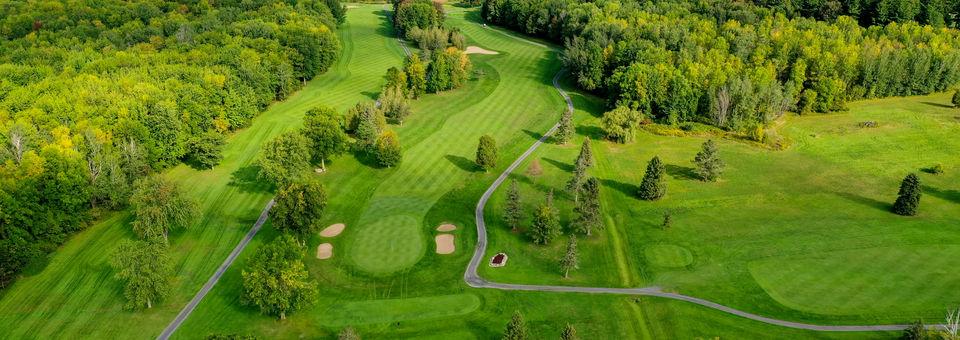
{"x": 801, "y": 234}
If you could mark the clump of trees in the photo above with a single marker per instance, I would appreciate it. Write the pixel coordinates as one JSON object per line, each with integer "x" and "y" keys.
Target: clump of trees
{"x": 421, "y": 14}
{"x": 908, "y": 199}
{"x": 937, "y": 13}
{"x": 276, "y": 281}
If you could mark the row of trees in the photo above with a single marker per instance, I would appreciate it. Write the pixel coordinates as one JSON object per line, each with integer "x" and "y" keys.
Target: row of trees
{"x": 731, "y": 64}
{"x": 517, "y": 329}
{"x": 95, "y": 96}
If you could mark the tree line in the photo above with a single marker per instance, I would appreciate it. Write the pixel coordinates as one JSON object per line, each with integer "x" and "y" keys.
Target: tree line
{"x": 937, "y": 13}
{"x": 730, "y": 64}
{"x": 95, "y": 96}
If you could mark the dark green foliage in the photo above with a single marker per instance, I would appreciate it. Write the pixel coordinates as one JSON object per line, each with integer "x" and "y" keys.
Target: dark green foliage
{"x": 513, "y": 207}
{"x": 620, "y": 124}
{"x": 580, "y": 166}
{"x": 517, "y": 328}
{"x": 276, "y": 281}
{"x": 298, "y": 208}
{"x": 486, "y": 153}
{"x": 936, "y": 13}
{"x": 546, "y": 222}
{"x": 16, "y": 252}
{"x": 388, "y": 149}
{"x": 416, "y": 76}
{"x": 394, "y": 104}
{"x": 569, "y": 333}
{"x": 416, "y": 13}
{"x": 159, "y": 206}
{"x": 588, "y": 207}
{"x": 956, "y": 99}
{"x": 654, "y": 185}
{"x": 564, "y": 128}
{"x": 370, "y": 123}
{"x": 570, "y": 259}
{"x": 667, "y": 220}
{"x": 206, "y": 150}
{"x": 284, "y": 158}
{"x": 396, "y": 78}
{"x": 908, "y": 199}
{"x": 916, "y": 331}
{"x": 325, "y": 133}
{"x": 447, "y": 70}
{"x": 708, "y": 162}
{"x": 145, "y": 269}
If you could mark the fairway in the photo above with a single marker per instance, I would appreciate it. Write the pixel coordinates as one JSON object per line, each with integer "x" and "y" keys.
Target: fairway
{"x": 392, "y": 310}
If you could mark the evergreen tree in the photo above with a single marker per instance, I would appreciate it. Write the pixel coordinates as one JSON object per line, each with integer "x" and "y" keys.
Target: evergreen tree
{"x": 487, "y": 153}
{"x": 584, "y": 161}
{"x": 569, "y": 333}
{"x": 586, "y": 154}
{"x": 588, "y": 207}
{"x": 371, "y": 123}
{"x": 908, "y": 199}
{"x": 326, "y": 136}
{"x": 570, "y": 258}
{"x": 388, "y": 149}
{"x": 513, "y": 208}
{"x": 546, "y": 222}
{"x": 667, "y": 220}
{"x": 709, "y": 165}
{"x": 565, "y": 128}
{"x": 653, "y": 186}
{"x": 416, "y": 76}
{"x": 516, "y": 329}
{"x": 956, "y": 97}
{"x": 146, "y": 271}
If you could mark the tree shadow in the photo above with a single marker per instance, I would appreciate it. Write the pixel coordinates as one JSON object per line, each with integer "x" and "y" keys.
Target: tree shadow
{"x": 247, "y": 179}
{"x": 533, "y": 134}
{"x": 366, "y": 158}
{"x": 947, "y": 195}
{"x": 625, "y": 188}
{"x": 386, "y": 28}
{"x": 370, "y": 94}
{"x": 593, "y": 132}
{"x": 463, "y": 163}
{"x": 681, "y": 172}
{"x": 560, "y": 165}
{"x": 883, "y": 206}
{"x": 557, "y": 193}
{"x": 938, "y": 105}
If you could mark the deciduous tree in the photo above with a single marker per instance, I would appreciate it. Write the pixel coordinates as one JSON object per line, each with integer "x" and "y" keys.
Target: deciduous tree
{"x": 326, "y": 135}
{"x": 284, "y": 158}
{"x": 159, "y": 206}
{"x": 276, "y": 281}
{"x": 388, "y": 149}
{"x": 298, "y": 208}
{"x": 416, "y": 76}
{"x": 206, "y": 150}
{"x": 620, "y": 124}
{"x": 145, "y": 269}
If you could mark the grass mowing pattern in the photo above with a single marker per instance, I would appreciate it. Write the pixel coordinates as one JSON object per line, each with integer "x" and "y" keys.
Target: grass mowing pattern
{"x": 393, "y": 310}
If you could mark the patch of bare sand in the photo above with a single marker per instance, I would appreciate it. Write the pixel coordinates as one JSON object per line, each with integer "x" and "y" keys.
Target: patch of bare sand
{"x": 352, "y": 6}
{"x": 478, "y": 50}
{"x": 445, "y": 244}
{"x": 333, "y": 230}
{"x": 324, "y": 251}
{"x": 446, "y": 227}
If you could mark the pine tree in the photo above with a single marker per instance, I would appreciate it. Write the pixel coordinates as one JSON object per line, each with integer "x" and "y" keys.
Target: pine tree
{"x": 569, "y": 260}
{"x": 908, "y": 199}
{"x": 569, "y": 333}
{"x": 653, "y": 186}
{"x": 588, "y": 207}
{"x": 586, "y": 154}
{"x": 580, "y": 166}
{"x": 487, "y": 153}
{"x": 709, "y": 165}
{"x": 565, "y": 128}
{"x": 546, "y": 222}
{"x": 370, "y": 126}
{"x": 667, "y": 220}
{"x": 517, "y": 328}
{"x": 513, "y": 209}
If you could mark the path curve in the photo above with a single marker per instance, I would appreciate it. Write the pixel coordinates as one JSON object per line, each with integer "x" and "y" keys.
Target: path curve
{"x": 185, "y": 312}
{"x": 474, "y": 280}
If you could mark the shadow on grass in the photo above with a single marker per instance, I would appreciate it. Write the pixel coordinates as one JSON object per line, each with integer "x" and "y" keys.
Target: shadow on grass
{"x": 627, "y": 189}
{"x": 247, "y": 179}
{"x": 681, "y": 172}
{"x": 533, "y": 134}
{"x": 947, "y": 195}
{"x": 463, "y": 163}
{"x": 590, "y": 131}
{"x": 372, "y": 95}
{"x": 938, "y": 105}
{"x": 543, "y": 188}
{"x": 560, "y": 165}
{"x": 866, "y": 201}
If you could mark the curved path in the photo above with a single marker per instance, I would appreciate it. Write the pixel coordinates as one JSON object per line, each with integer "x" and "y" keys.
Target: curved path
{"x": 474, "y": 280}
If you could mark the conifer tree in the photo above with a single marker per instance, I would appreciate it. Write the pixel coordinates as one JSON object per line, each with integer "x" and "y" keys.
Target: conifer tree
{"x": 517, "y": 328}
{"x": 908, "y": 199}
{"x": 487, "y": 153}
{"x": 565, "y": 128}
{"x": 570, "y": 258}
{"x": 569, "y": 333}
{"x": 653, "y": 186}
{"x": 667, "y": 220}
{"x": 709, "y": 164}
{"x": 588, "y": 207}
{"x": 513, "y": 209}
{"x": 546, "y": 222}
{"x": 584, "y": 161}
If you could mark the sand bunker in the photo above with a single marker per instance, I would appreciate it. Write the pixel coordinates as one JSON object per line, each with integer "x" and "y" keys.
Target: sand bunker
{"x": 478, "y": 50}
{"x": 447, "y": 227}
{"x": 324, "y": 251}
{"x": 352, "y": 6}
{"x": 444, "y": 244}
{"x": 333, "y": 230}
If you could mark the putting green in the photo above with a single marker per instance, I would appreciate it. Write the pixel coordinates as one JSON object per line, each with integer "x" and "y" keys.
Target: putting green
{"x": 385, "y": 245}
{"x": 392, "y": 310}
{"x": 668, "y": 256}
{"x": 862, "y": 281}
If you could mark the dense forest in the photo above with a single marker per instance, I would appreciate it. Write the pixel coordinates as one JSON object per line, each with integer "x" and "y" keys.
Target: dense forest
{"x": 97, "y": 94}
{"x": 937, "y": 13}
{"x": 732, "y": 64}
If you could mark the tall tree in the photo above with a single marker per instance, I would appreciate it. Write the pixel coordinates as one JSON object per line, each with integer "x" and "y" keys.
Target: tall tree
{"x": 546, "y": 222}
{"x": 709, "y": 164}
{"x": 569, "y": 333}
{"x": 653, "y": 186}
{"x": 487, "y": 153}
{"x": 158, "y": 206}
{"x": 396, "y": 78}
{"x": 580, "y": 166}
{"x": 564, "y": 128}
{"x": 326, "y": 135}
{"x": 570, "y": 259}
{"x": 298, "y": 209}
{"x": 206, "y": 150}
{"x": 276, "y": 280}
{"x": 370, "y": 124}
{"x": 145, "y": 269}
{"x": 284, "y": 158}
{"x": 517, "y": 328}
{"x": 908, "y": 199}
{"x": 588, "y": 207}
{"x": 416, "y": 76}
{"x": 388, "y": 149}
{"x": 394, "y": 104}
{"x": 438, "y": 73}
{"x": 513, "y": 208}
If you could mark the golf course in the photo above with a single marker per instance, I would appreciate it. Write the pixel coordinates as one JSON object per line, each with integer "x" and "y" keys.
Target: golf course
{"x": 800, "y": 233}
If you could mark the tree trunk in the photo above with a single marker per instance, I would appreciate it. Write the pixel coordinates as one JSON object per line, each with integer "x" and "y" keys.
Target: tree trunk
{"x": 149, "y": 304}
{"x": 566, "y": 273}
{"x": 283, "y": 315}
{"x": 589, "y": 228}
{"x": 323, "y": 164}
{"x": 166, "y": 237}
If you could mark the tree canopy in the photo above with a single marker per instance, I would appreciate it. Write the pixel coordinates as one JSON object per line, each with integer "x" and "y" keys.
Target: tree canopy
{"x": 298, "y": 208}
{"x": 276, "y": 281}
{"x": 146, "y": 271}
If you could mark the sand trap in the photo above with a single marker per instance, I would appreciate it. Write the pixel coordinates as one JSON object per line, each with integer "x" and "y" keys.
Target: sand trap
{"x": 324, "y": 251}
{"x": 444, "y": 244}
{"x": 478, "y": 50}
{"x": 333, "y": 230}
{"x": 447, "y": 227}
{"x": 352, "y": 6}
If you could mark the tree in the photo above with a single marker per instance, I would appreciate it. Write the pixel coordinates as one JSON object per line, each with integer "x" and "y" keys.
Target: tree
{"x": 916, "y": 331}
{"x": 546, "y": 222}
{"x": 569, "y": 333}
{"x": 416, "y": 76}
{"x": 570, "y": 257}
{"x": 206, "y": 150}
{"x": 516, "y": 329}
{"x": 564, "y": 128}
{"x": 276, "y": 280}
{"x": 487, "y": 153}
{"x": 956, "y": 99}
{"x": 588, "y": 207}
{"x": 709, "y": 165}
{"x": 348, "y": 333}
{"x": 394, "y": 104}
{"x": 513, "y": 208}
{"x": 158, "y": 207}
{"x": 326, "y": 135}
{"x": 667, "y": 220}
{"x": 438, "y": 74}
{"x": 145, "y": 269}
{"x": 653, "y": 186}
{"x": 284, "y": 158}
{"x": 298, "y": 208}
{"x": 908, "y": 199}
{"x": 583, "y": 162}
{"x": 396, "y": 78}
{"x": 370, "y": 124}
{"x": 620, "y": 124}
{"x": 388, "y": 149}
